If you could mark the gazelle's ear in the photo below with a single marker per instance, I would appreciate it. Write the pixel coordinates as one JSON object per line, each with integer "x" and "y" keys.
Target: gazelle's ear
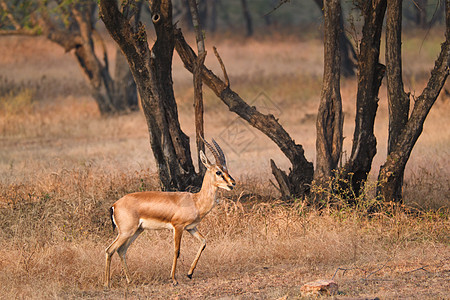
{"x": 204, "y": 160}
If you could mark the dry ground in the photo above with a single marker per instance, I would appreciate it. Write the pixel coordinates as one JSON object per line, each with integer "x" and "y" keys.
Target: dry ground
{"x": 62, "y": 165}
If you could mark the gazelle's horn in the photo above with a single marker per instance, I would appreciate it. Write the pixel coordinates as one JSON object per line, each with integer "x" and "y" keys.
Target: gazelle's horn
{"x": 213, "y": 151}
{"x": 223, "y": 161}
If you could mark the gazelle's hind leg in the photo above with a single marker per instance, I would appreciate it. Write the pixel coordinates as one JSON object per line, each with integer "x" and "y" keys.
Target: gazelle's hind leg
{"x": 120, "y": 240}
{"x": 122, "y": 251}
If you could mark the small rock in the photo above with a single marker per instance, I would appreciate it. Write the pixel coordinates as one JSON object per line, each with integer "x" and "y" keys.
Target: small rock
{"x": 319, "y": 287}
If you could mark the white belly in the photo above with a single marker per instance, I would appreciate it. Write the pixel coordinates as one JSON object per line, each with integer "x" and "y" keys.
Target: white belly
{"x": 153, "y": 224}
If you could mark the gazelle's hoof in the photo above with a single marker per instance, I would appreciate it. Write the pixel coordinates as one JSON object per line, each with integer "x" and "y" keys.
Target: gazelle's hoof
{"x": 189, "y": 276}
{"x": 174, "y": 282}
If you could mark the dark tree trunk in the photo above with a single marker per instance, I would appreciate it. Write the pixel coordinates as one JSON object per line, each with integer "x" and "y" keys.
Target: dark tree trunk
{"x": 370, "y": 75}
{"x": 391, "y": 173}
{"x": 348, "y": 54}
{"x": 211, "y": 25}
{"x": 329, "y": 118}
{"x": 152, "y": 71}
{"x": 301, "y": 174}
{"x": 398, "y": 100}
{"x": 225, "y": 15}
{"x": 247, "y": 18}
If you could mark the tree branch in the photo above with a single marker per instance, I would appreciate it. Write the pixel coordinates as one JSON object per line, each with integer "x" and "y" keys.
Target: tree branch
{"x": 302, "y": 171}
{"x": 224, "y": 70}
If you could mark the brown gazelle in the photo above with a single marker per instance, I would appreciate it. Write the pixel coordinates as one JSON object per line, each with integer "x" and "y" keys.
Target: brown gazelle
{"x": 179, "y": 211}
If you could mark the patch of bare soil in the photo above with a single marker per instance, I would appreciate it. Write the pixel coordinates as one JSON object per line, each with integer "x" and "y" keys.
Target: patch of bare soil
{"x": 394, "y": 281}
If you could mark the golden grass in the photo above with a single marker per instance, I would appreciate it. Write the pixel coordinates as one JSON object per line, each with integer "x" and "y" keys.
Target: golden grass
{"x": 62, "y": 165}
{"x": 53, "y": 235}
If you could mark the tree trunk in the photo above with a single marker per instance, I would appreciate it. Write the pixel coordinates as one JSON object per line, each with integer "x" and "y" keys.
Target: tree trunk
{"x": 329, "y": 118}
{"x": 348, "y": 54}
{"x": 301, "y": 174}
{"x": 247, "y": 18}
{"x": 97, "y": 73}
{"x": 398, "y": 100}
{"x": 370, "y": 75}
{"x": 211, "y": 25}
{"x": 391, "y": 171}
{"x": 111, "y": 95}
{"x": 152, "y": 71}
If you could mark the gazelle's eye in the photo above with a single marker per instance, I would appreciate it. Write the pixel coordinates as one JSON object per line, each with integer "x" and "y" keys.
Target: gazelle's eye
{"x": 218, "y": 173}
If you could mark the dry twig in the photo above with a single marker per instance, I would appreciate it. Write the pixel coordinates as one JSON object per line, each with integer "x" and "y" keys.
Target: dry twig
{"x": 227, "y": 80}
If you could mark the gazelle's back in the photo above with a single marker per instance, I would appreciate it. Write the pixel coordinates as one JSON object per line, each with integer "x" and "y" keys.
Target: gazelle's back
{"x": 154, "y": 210}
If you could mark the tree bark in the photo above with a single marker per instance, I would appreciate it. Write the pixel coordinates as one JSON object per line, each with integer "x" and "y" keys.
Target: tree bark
{"x": 392, "y": 170}
{"x": 301, "y": 174}
{"x": 152, "y": 71}
{"x": 247, "y": 18}
{"x": 211, "y": 25}
{"x": 370, "y": 75}
{"x": 77, "y": 34}
{"x": 398, "y": 100}
{"x": 329, "y": 118}
{"x": 348, "y": 54}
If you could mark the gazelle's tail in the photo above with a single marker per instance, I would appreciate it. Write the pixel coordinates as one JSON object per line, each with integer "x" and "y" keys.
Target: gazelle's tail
{"x": 111, "y": 214}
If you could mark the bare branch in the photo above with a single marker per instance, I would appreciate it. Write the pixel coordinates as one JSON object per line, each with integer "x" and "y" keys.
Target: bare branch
{"x": 225, "y": 75}
{"x": 277, "y": 7}
{"x": 282, "y": 180}
{"x": 302, "y": 170}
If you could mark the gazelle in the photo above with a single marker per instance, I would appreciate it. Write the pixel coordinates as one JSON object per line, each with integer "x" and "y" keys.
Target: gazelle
{"x": 179, "y": 211}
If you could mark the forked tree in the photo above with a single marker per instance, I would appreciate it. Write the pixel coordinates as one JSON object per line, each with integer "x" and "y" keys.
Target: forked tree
{"x": 152, "y": 67}
{"x": 178, "y": 211}
{"x": 71, "y": 25}
{"x": 370, "y": 75}
{"x": 330, "y": 118}
{"x": 152, "y": 71}
{"x": 404, "y": 128}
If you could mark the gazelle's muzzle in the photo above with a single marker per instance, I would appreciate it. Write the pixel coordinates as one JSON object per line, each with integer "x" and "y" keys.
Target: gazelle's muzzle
{"x": 231, "y": 182}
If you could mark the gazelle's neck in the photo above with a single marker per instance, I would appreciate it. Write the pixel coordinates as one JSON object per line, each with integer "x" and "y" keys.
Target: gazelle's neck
{"x": 206, "y": 198}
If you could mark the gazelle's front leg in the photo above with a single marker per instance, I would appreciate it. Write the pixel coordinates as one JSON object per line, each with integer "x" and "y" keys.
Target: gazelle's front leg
{"x": 194, "y": 232}
{"x": 177, "y": 234}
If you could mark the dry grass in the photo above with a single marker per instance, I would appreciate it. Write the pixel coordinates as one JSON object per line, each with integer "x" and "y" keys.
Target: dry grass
{"x": 53, "y": 235}
{"x": 62, "y": 166}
